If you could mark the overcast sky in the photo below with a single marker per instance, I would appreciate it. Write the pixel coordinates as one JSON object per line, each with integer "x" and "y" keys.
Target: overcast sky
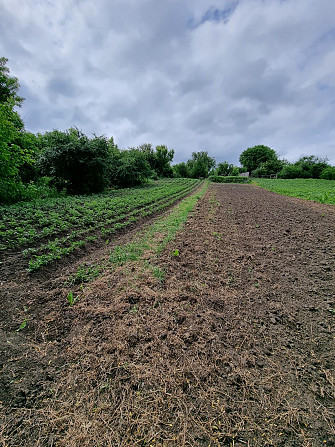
{"x": 213, "y": 75}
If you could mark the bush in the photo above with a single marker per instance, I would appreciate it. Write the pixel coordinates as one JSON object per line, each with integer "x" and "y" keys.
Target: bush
{"x": 305, "y": 167}
{"x": 130, "y": 168}
{"x": 75, "y": 162}
{"x": 328, "y": 173}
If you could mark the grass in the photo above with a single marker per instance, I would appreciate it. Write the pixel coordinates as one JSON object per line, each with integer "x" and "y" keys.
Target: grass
{"x": 322, "y": 191}
{"x": 157, "y": 236}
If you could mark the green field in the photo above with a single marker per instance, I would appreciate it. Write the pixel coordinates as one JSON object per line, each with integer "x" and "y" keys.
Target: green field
{"x": 49, "y": 229}
{"x": 322, "y": 191}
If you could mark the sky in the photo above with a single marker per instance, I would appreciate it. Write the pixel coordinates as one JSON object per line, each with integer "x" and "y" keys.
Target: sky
{"x": 196, "y": 75}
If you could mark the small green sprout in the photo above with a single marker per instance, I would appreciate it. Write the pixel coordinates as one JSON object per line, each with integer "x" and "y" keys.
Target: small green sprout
{"x": 22, "y": 325}
{"x": 71, "y": 298}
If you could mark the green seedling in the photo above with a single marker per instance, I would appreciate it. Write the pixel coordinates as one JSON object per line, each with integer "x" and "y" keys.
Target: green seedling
{"x": 22, "y": 325}
{"x": 175, "y": 253}
{"x": 71, "y": 298}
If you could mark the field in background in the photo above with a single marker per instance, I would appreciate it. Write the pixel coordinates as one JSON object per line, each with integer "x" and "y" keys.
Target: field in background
{"x": 322, "y": 191}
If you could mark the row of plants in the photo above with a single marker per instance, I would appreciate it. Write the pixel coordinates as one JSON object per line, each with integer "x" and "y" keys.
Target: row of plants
{"x": 57, "y": 227}
{"x": 319, "y": 190}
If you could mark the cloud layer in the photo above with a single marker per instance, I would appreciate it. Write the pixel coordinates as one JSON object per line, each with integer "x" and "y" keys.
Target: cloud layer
{"x": 194, "y": 75}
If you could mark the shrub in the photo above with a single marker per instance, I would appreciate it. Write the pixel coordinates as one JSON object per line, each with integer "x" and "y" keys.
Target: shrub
{"x": 77, "y": 163}
{"x": 328, "y": 173}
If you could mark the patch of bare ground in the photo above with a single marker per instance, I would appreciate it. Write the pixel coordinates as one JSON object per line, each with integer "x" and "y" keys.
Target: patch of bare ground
{"x": 224, "y": 339}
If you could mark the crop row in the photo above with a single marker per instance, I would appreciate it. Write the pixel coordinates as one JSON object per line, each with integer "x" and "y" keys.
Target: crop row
{"x": 322, "y": 191}
{"x": 65, "y": 225}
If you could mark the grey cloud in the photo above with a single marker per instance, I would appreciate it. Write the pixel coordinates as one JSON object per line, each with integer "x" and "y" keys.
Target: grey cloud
{"x": 244, "y": 73}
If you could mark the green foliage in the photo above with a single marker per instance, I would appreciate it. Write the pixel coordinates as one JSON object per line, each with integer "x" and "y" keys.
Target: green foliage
{"x": 200, "y": 165}
{"x": 228, "y": 179}
{"x": 22, "y": 325}
{"x": 252, "y": 158}
{"x": 71, "y": 298}
{"x": 9, "y": 85}
{"x": 328, "y": 173}
{"x": 12, "y": 156}
{"x": 69, "y": 223}
{"x": 163, "y": 159}
{"x": 76, "y": 162}
{"x": 181, "y": 170}
{"x": 268, "y": 168}
{"x": 305, "y": 167}
{"x": 224, "y": 169}
{"x": 159, "y": 159}
{"x": 322, "y": 191}
{"x": 130, "y": 168}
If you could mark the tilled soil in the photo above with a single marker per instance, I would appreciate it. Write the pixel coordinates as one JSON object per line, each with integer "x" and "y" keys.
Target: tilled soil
{"x": 224, "y": 339}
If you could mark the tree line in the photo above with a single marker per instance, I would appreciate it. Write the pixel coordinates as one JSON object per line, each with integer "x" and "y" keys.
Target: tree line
{"x": 41, "y": 165}
{"x": 262, "y": 161}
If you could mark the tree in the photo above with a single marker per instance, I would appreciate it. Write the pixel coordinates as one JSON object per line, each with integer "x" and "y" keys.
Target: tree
{"x": 12, "y": 156}
{"x": 181, "y": 170}
{"x": 252, "y": 157}
{"x": 200, "y": 164}
{"x": 159, "y": 159}
{"x": 163, "y": 159}
{"x": 9, "y": 85}
{"x": 77, "y": 163}
{"x": 131, "y": 168}
{"x": 305, "y": 167}
{"x": 224, "y": 168}
{"x": 328, "y": 173}
{"x": 267, "y": 168}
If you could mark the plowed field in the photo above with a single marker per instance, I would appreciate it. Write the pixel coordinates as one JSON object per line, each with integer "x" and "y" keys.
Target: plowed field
{"x": 225, "y": 338}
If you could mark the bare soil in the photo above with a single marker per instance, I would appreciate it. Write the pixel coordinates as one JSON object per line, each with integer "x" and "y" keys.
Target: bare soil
{"x": 228, "y": 341}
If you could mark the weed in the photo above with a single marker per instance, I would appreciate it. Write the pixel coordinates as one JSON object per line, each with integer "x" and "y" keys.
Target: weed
{"x": 84, "y": 274}
{"x": 71, "y": 298}
{"x": 175, "y": 253}
{"x": 158, "y": 273}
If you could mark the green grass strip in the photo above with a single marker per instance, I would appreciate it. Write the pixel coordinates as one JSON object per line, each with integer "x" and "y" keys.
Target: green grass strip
{"x": 157, "y": 236}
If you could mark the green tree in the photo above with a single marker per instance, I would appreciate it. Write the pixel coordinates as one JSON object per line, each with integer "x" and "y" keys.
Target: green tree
{"x": 328, "y": 173}
{"x": 252, "y": 157}
{"x": 159, "y": 159}
{"x": 163, "y": 159}
{"x": 224, "y": 168}
{"x": 270, "y": 167}
{"x": 9, "y": 85}
{"x": 200, "y": 164}
{"x": 12, "y": 156}
{"x": 306, "y": 167}
{"x": 131, "y": 168}
{"x": 181, "y": 170}
{"x": 76, "y": 162}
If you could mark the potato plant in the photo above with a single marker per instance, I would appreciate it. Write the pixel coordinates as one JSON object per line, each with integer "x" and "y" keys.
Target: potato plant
{"x": 47, "y": 230}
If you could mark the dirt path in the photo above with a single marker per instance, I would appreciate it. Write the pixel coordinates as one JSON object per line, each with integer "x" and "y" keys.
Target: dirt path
{"x": 229, "y": 342}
